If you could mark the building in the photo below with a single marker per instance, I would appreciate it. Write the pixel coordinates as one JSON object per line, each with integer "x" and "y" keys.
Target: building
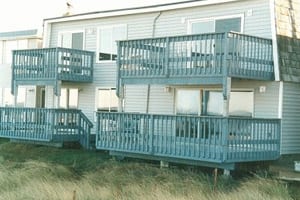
{"x": 206, "y": 82}
{"x": 9, "y": 41}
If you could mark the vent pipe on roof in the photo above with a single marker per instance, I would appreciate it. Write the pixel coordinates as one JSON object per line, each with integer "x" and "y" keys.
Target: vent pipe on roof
{"x": 69, "y": 8}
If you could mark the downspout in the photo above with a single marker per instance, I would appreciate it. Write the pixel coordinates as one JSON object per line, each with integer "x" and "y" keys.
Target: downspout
{"x": 274, "y": 40}
{"x": 153, "y": 35}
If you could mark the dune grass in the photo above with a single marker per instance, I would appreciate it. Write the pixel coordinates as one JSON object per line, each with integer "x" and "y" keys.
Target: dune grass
{"x": 37, "y": 172}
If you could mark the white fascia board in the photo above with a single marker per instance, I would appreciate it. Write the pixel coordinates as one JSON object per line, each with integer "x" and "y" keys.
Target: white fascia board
{"x": 132, "y": 11}
{"x": 123, "y": 12}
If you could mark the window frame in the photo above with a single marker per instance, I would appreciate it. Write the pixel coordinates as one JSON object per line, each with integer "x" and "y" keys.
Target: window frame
{"x": 98, "y": 40}
{"x": 191, "y": 21}
{"x": 97, "y": 97}
{"x": 67, "y": 100}
{"x": 188, "y": 89}
{"x": 8, "y": 59}
{"x": 233, "y": 90}
{"x": 60, "y": 34}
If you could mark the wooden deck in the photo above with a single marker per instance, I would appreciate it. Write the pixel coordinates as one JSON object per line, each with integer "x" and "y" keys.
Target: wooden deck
{"x": 189, "y": 59}
{"x": 49, "y": 65}
{"x": 45, "y": 125}
{"x": 216, "y": 140}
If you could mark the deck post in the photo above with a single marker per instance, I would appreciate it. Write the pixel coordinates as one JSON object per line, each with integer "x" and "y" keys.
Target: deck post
{"x": 226, "y": 172}
{"x": 166, "y": 61}
{"x": 164, "y": 164}
{"x": 226, "y": 95}
{"x": 15, "y": 93}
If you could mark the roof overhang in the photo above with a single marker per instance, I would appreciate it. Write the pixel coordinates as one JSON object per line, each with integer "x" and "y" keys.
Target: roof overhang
{"x": 136, "y": 10}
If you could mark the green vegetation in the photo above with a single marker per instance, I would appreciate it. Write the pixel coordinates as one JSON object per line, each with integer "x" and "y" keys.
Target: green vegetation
{"x": 39, "y": 172}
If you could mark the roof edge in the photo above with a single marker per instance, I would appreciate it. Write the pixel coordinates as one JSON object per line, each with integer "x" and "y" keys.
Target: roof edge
{"x": 136, "y": 10}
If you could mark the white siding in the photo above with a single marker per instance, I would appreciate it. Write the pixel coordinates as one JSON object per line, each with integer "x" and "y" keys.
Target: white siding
{"x": 161, "y": 100}
{"x": 173, "y": 22}
{"x": 259, "y": 24}
{"x": 265, "y": 103}
{"x": 5, "y": 75}
{"x": 49, "y": 97}
{"x": 135, "y": 98}
{"x": 290, "y": 141}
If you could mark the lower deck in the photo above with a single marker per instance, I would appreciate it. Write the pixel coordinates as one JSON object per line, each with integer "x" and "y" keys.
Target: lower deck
{"x": 45, "y": 125}
{"x": 219, "y": 141}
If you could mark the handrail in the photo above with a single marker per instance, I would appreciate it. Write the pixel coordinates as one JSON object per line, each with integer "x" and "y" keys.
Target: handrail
{"x": 204, "y": 138}
{"x": 45, "y": 124}
{"x": 53, "y": 64}
{"x": 197, "y": 55}
{"x": 86, "y": 126}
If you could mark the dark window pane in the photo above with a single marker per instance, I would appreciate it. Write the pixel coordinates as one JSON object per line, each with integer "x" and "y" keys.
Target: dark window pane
{"x": 104, "y": 56}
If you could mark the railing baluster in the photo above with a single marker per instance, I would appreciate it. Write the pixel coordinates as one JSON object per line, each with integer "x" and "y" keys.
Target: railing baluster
{"x": 196, "y": 55}
{"x": 45, "y": 64}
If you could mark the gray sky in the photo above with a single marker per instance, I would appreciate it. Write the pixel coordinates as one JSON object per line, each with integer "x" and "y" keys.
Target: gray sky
{"x": 29, "y": 14}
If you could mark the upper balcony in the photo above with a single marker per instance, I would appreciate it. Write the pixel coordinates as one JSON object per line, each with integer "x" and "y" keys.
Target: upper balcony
{"x": 195, "y": 59}
{"x": 50, "y": 65}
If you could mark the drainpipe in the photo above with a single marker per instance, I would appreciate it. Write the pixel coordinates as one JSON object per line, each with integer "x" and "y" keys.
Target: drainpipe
{"x": 149, "y": 86}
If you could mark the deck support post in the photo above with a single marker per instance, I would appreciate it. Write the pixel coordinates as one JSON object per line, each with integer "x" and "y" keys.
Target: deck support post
{"x": 226, "y": 98}
{"x": 226, "y": 95}
{"x": 226, "y": 172}
{"x": 215, "y": 178}
{"x": 15, "y": 93}
{"x": 164, "y": 164}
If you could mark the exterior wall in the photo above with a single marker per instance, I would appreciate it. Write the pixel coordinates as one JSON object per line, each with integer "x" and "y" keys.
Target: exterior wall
{"x": 173, "y": 22}
{"x": 290, "y": 118}
{"x": 287, "y": 14}
{"x": 266, "y": 104}
{"x": 5, "y": 67}
{"x": 159, "y": 102}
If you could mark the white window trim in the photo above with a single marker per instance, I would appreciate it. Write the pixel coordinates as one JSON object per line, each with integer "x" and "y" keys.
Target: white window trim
{"x": 97, "y": 98}
{"x": 60, "y": 33}
{"x": 215, "y": 90}
{"x": 68, "y": 89}
{"x": 187, "y": 88}
{"x": 191, "y": 21}
{"x": 236, "y": 90}
{"x": 98, "y": 40}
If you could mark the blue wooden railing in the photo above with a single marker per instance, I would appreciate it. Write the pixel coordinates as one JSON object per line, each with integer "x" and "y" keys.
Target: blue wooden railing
{"x": 39, "y": 124}
{"x": 210, "y": 139}
{"x": 215, "y": 55}
{"x": 50, "y": 64}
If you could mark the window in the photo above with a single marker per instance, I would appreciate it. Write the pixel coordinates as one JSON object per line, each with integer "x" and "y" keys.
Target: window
{"x": 241, "y": 103}
{"x": 210, "y": 102}
{"x": 187, "y": 101}
{"x": 218, "y": 25}
{"x": 10, "y": 45}
{"x": 73, "y": 40}
{"x": 107, "y": 37}
{"x": 68, "y": 98}
{"x": 107, "y": 100}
